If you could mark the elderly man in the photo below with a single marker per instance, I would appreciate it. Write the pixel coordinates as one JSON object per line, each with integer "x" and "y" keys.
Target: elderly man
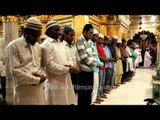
{"x": 23, "y": 63}
{"x": 58, "y": 65}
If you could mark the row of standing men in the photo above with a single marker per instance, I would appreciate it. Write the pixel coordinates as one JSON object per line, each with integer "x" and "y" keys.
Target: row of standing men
{"x": 47, "y": 74}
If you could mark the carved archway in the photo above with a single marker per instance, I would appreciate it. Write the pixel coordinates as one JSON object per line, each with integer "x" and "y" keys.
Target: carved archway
{"x": 144, "y": 36}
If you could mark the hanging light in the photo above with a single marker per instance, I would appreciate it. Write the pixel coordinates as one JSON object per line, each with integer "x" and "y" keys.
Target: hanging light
{"x": 140, "y": 23}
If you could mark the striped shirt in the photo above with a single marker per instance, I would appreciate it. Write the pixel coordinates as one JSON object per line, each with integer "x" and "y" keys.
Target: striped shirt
{"x": 86, "y": 54}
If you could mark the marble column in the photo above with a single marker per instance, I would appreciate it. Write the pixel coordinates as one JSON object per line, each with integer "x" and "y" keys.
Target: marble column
{"x": 10, "y": 32}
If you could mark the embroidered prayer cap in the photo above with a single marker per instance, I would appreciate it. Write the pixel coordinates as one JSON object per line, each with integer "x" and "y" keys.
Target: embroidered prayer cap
{"x": 115, "y": 37}
{"x": 101, "y": 36}
{"x": 95, "y": 31}
{"x": 33, "y": 23}
{"x": 119, "y": 41}
{"x": 51, "y": 23}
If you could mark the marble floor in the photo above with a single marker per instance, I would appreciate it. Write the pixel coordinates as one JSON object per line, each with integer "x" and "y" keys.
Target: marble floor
{"x": 134, "y": 92}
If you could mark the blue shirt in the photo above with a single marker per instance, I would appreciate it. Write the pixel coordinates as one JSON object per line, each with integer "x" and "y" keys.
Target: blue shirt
{"x": 108, "y": 54}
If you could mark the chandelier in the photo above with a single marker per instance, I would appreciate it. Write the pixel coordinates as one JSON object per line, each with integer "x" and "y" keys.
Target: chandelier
{"x": 144, "y": 36}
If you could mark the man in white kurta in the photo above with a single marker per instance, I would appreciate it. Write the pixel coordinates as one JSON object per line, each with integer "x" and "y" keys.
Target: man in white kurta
{"x": 71, "y": 50}
{"x": 23, "y": 66}
{"x": 147, "y": 59}
{"x": 139, "y": 56}
{"x": 58, "y": 88}
{"x": 129, "y": 59}
{"x": 2, "y": 67}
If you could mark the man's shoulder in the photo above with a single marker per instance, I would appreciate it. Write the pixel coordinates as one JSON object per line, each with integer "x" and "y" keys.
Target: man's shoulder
{"x": 45, "y": 43}
{"x": 15, "y": 42}
{"x": 79, "y": 39}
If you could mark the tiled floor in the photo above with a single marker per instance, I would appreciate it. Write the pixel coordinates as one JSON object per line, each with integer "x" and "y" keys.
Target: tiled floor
{"x": 134, "y": 92}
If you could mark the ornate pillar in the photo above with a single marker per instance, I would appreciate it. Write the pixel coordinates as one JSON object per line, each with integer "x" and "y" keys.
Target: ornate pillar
{"x": 10, "y": 28}
{"x": 103, "y": 29}
{"x": 78, "y": 23}
{"x": 111, "y": 30}
{"x": 129, "y": 34}
{"x": 119, "y": 31}
{"x": 111, "y": 25}
{"x": 10, "y": 32}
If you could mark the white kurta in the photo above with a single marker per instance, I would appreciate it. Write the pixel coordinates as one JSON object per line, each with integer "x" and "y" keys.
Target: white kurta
{"x": 147, "y": 59}
{"x": 22, "y": 60}
{"x": 59, "y": 89}
{"x": 129, "y": 59}
{"x": 72, "y": 52}
{"x": 2, "y": 54}
{"x": 138, "y": 58}
{"x": 1, "y": 67}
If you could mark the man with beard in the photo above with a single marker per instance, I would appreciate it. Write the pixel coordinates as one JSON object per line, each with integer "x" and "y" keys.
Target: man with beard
{"x": 71, "y": 49}
{"x": 23, "y": 63}
{"x": 58, "y": 64}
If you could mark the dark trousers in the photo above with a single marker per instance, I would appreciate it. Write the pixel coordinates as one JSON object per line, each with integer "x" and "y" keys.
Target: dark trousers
{"x": 75, "y": 81}
{"x": 85, "y": 88}
{"x": 124, "y": 75}
{"x": 3, "y": 84}
{"x": 110, "y": 77}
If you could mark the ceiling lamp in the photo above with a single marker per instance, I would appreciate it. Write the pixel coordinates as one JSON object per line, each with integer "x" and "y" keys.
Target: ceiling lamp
{"x": 140, "y": 23}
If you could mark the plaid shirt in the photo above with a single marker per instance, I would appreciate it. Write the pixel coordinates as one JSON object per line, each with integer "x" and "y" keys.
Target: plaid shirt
{"x": 86, "y": 54}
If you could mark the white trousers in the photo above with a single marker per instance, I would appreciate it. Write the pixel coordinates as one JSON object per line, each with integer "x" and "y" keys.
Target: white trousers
{"x": 95, "y": 86}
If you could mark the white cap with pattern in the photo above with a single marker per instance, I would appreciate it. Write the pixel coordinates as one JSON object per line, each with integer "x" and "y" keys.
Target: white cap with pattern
{"x": 95, "y": 31}
{"x": 119, "y": 41}
{"x": 115, "y": 37}
{"x": 33, "y": 23}
{"x": 101, "y": 35}
{"x": 51, "y": 23}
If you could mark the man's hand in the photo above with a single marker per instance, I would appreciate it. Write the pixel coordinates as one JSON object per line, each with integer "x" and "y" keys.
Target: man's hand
{"x": 71, "y": 69}
{"x": 36, "y": 74}
{"x": 42, "y": 77}
{"x": 77, "y": 70}
{"x": 94, "y": 62}
{"x": 67, "y": 65}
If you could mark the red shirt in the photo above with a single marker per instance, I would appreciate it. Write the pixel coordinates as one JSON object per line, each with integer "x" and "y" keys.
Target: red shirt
{"x": 102, "y": 54}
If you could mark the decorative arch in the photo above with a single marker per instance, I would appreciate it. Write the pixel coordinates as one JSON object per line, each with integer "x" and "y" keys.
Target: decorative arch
{"x": 144, "y": 36}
